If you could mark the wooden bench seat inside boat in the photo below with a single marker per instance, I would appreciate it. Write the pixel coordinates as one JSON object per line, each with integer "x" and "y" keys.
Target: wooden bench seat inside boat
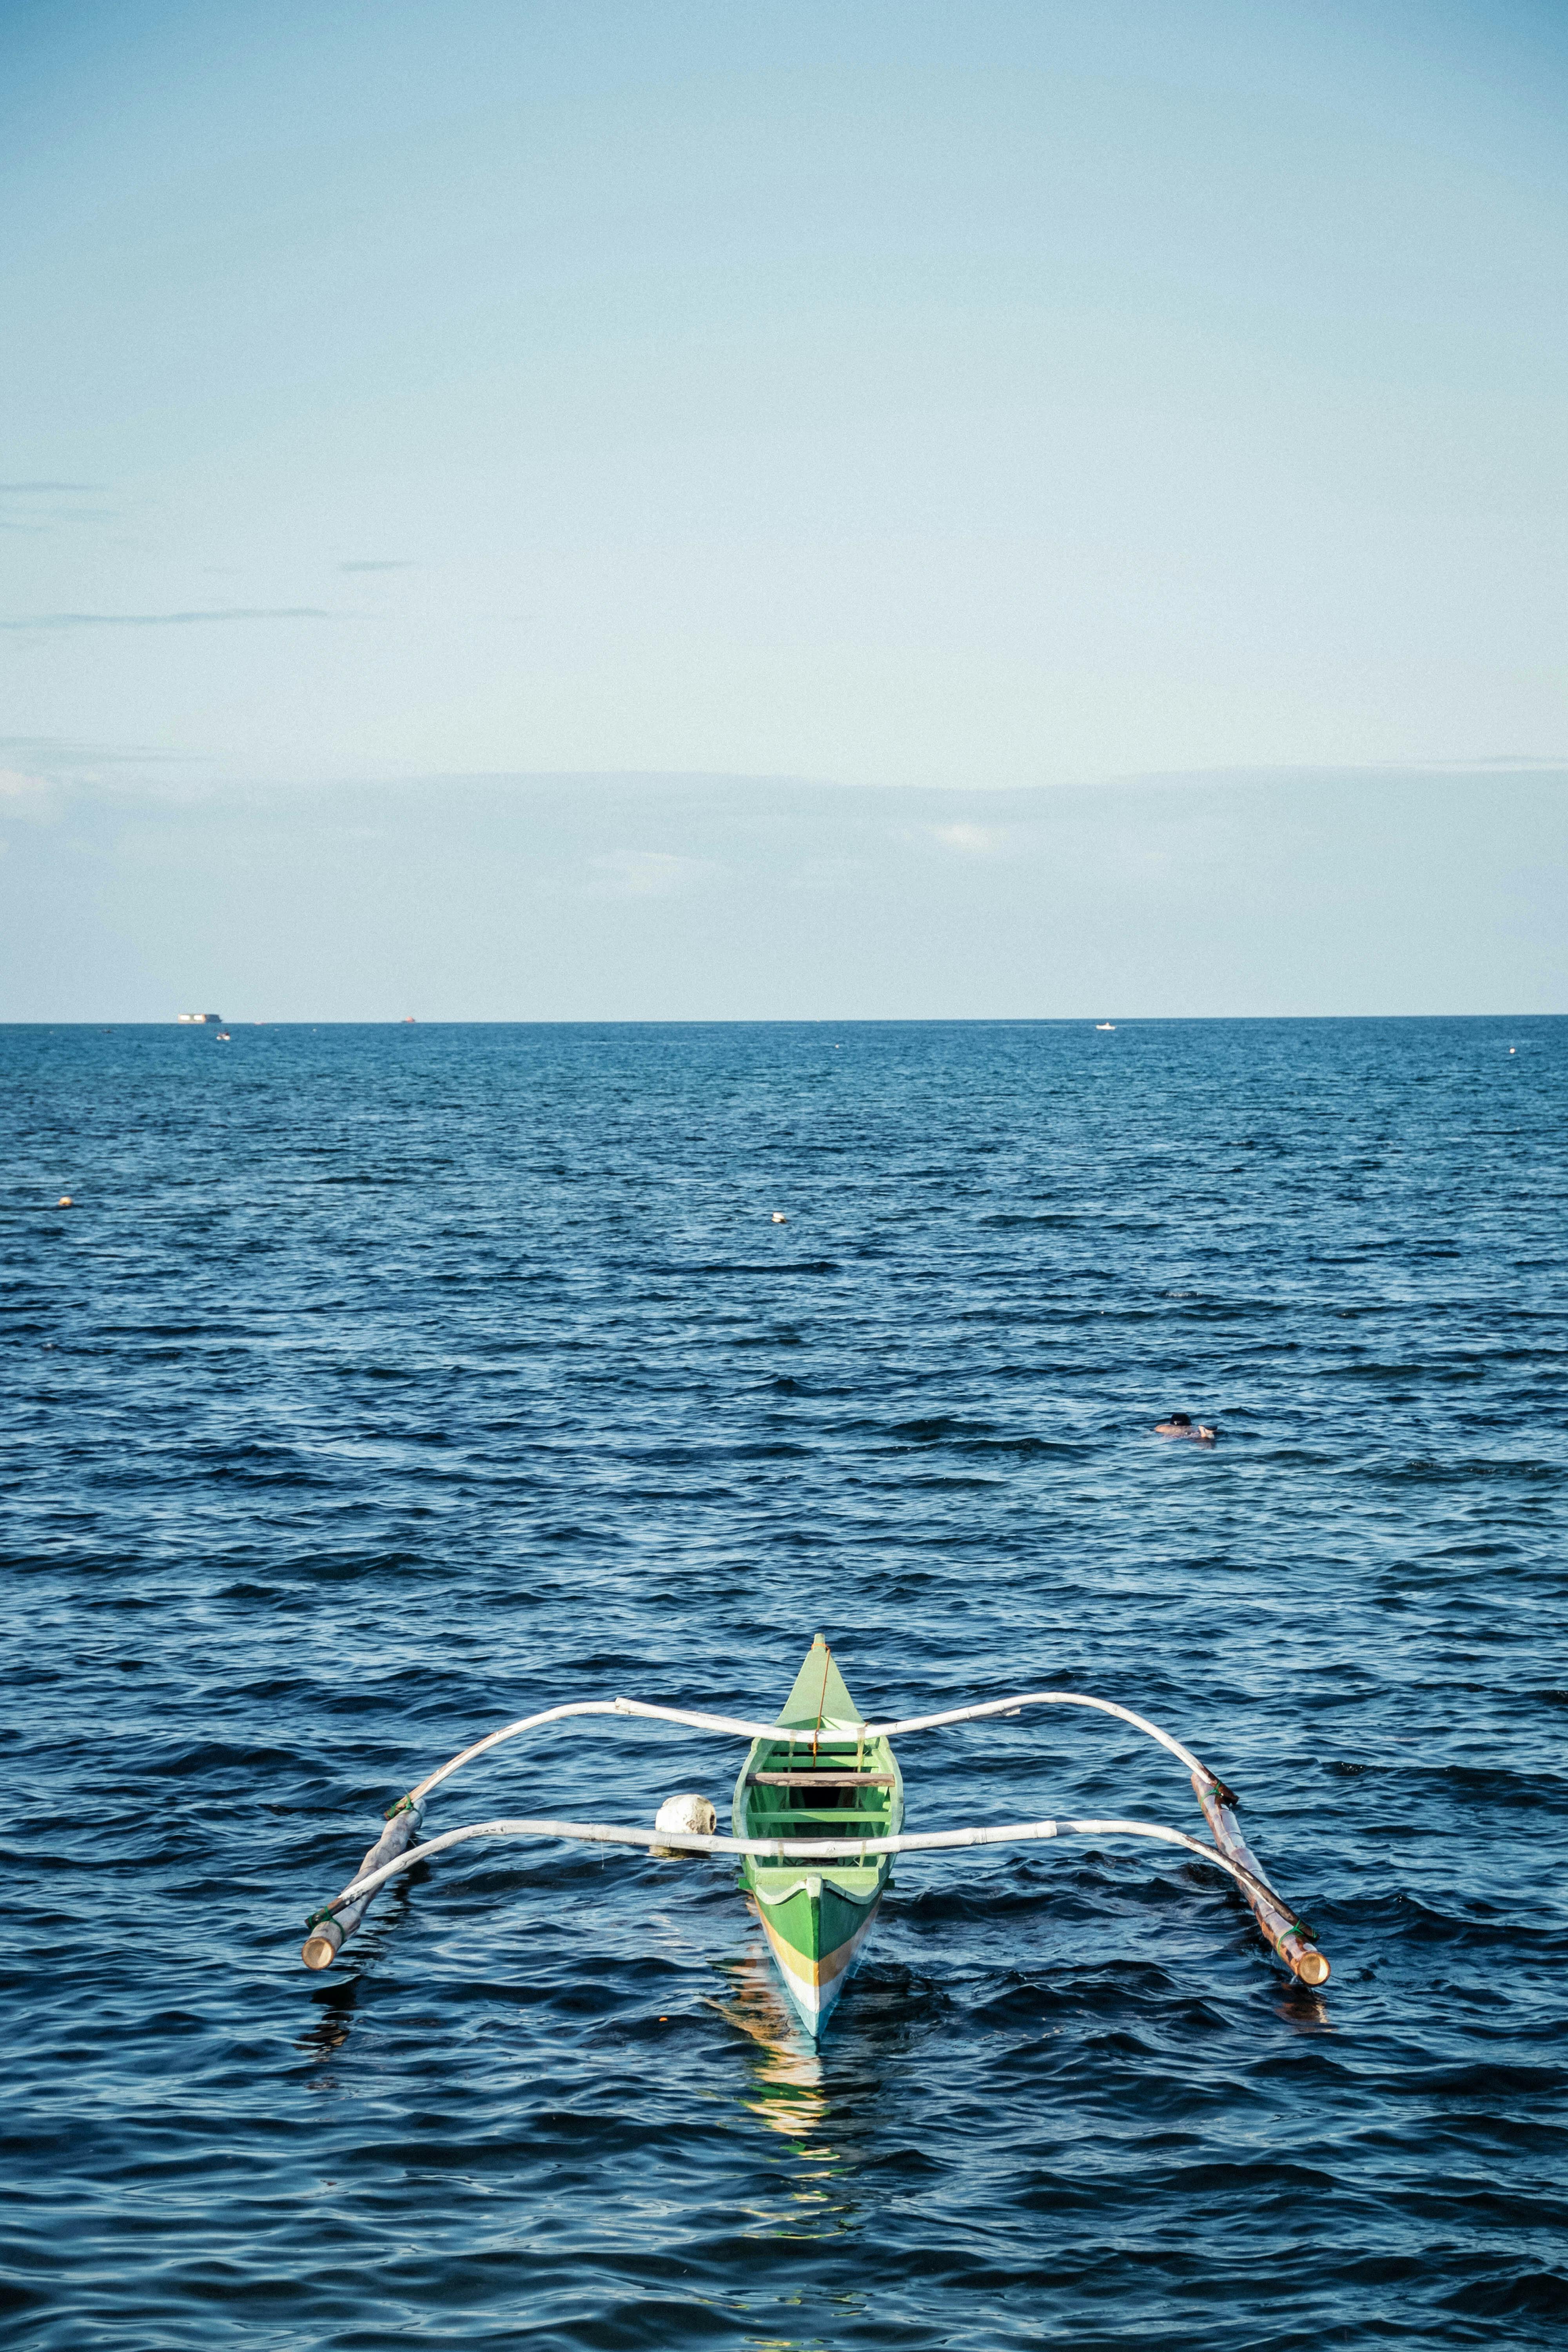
{"x": 820, "y": 1779}
{"x": 786, "y": 1827}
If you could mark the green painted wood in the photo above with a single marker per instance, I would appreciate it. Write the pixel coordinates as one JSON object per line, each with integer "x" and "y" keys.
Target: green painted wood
{"x": 819, "y": 1698}
{"x": 817, "y": 1915}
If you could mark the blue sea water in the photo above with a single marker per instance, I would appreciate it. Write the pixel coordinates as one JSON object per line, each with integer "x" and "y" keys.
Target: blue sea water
{"x": 385, "y": 1384}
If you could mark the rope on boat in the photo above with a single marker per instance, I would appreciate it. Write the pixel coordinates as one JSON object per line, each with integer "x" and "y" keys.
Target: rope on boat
{"x": 792, "y": 1850}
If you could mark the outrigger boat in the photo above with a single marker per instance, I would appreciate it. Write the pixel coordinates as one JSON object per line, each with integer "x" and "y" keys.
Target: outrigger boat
{"x": 816, "y": 1820}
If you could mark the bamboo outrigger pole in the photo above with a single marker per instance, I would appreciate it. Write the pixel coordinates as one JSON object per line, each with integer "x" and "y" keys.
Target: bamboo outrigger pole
{"x": 331, "y": 1928}
{"x": 1290, "y": 1938}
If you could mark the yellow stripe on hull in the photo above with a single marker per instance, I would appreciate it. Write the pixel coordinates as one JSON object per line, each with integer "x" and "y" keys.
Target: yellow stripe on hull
{"x": 814, "y": 1986}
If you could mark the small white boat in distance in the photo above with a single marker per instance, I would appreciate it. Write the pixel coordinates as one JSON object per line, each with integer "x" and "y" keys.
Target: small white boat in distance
{"x": 1105, "y": 1024}
{"x": 201, "y": 1020}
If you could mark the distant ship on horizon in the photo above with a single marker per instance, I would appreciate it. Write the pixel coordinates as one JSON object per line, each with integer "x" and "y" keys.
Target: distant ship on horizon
{"x": 201, "y": 1019}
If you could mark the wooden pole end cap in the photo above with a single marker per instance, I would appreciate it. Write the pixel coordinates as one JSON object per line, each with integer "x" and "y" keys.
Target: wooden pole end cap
{"x": 1312, "y": 1969}
{"x": 320, "y": 1952}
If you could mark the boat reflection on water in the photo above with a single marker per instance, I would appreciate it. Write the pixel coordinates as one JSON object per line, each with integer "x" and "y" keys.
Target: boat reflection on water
{"x": 789, "y": 2095}
{"x": 335, "y": 2004}
{"x": 788, "y": 2091}
{"x": 1299, "y": 2005}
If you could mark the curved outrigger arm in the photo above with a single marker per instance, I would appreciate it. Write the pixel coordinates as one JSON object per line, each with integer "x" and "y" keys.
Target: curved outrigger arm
{"x": 733, "y": 1723}
{"x": 1288, "y": 1937}
{"x": 320, "y": 1950}
{"x": 1039, "y": 1698}
{"x": 739, "y": 1728}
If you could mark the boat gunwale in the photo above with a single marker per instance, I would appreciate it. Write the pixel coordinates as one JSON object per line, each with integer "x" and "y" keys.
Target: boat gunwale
{"x": 750, "y": 1820}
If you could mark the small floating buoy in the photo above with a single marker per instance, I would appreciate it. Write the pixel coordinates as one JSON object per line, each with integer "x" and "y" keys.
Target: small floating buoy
{"x": 688, "y": 1812}
{"x": 780, "y": 1218}
{"x": 1514, "y": 1049}
{"x": 65, "y": 1201}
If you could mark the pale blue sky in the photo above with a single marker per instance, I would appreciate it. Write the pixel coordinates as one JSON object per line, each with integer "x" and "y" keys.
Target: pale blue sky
{"x": 955, "y": 398}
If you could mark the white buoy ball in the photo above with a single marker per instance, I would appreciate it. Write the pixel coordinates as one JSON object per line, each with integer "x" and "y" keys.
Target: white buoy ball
{"x": 780, "y": 1218}
{"x": 688, "y": 1812}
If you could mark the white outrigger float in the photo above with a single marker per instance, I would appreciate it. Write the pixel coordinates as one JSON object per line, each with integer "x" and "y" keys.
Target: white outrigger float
{"x": 820, "y": 1768}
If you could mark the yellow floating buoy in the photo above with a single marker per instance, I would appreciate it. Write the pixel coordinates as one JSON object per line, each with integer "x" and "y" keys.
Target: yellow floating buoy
{"x": 65, "y": 1201}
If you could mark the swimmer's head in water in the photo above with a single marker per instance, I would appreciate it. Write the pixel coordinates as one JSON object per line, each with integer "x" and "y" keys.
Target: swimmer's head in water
{"x": 1180, "y": 1420}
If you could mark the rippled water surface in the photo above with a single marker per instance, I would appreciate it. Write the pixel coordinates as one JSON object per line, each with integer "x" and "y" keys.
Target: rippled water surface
{"x": 383, "y": 1384}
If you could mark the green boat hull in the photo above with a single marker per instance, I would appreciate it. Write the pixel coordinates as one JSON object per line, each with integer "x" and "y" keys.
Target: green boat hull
{"x": 820, "y": 1777}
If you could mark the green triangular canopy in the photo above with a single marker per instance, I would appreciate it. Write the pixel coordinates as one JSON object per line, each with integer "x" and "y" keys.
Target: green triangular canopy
{"x": 819, "y": 1695}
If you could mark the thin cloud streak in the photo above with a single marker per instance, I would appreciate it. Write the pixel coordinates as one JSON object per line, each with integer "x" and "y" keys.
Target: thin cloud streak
{"x": 167, "y": 620}
{"x": 375, "y": 567}
{"x": 28, "y": 510}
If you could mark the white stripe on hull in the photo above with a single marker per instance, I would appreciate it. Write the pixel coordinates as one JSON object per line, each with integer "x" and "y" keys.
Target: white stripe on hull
{"x": 814, "y": 1986}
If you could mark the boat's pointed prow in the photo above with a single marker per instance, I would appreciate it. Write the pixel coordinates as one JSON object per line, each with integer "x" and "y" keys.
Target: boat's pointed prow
{"x": 819, "y": 1701}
